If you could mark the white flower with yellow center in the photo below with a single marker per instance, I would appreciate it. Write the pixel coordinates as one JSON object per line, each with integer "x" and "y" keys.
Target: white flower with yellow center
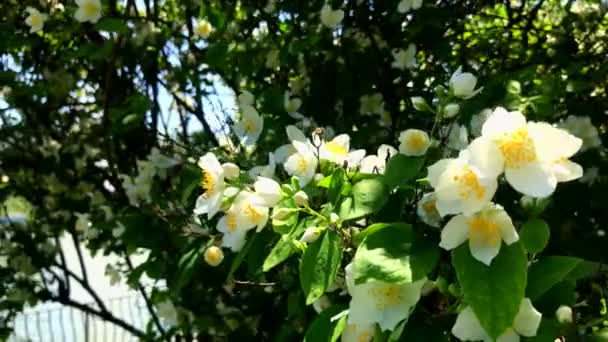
{"x": 534, "y": 155}
{"x": 203, "y": 29}
{"x": 35, "y": 20}
{"x": 427, "y": 210}
{"x": 414, "y": 142}
{"x": 213, "y": 185}
{"x": 250, "y": 126}
{"x": 303, "y": 163}
{"x": 526, "y": 323}
{"x": 269, "y": 190}
{"x": 293, "y": 134}
{"x": 88, "y": 10}
{"x": 338, "y": 151}
{"x": 461, "y": 186}
{"x": 330, "y": 17}
{"x": 246, "y": 212}
{"x": 462, "y": 84}
{"x": 485, "y": 231}
{"x": 358, "y": 333}
{"x": 407, "y": 5}
{"x": 405, "y": 59}
{"x": 380, "y": 302}
{"x": 377, "y": 163}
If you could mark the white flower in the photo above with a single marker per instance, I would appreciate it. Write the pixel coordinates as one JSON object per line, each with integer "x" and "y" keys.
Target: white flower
{"x": 461, "y": 186}
{"x": 264, "y": 170}
{"x": 371, "y": 104}
{"x": 246, "y": 212}
{"x": 166, "y": 310}
{"x": 88, "y": 10}
{"x": 292, "y": 105}
{"x": 213, "y": 184}
{"x": 203, "y": 29}
{"x": 268, "y": 190}
{"x": 463, "y": 84}
{"x": 405, "y": 58}
{"x": 231, "y": 170}
{"x": 407, "y": 5}
{"x": 414, "y": 142}
{"x": 380, "y": 302}
{"x": 338, "y": 151}
{"x": 485, "y": 231}
{"x": 451, "y": 110}
{"x": 245, "y": 99}
{"x": 564, "y": 314}
{"x": 311, "y": 234}
{"x": 427, "y": 210}
{"x": 303, "y": 163}
{"x": 534, "y": 155}
{"x": 377, "y": 163}
{"x": 331, "y": 18}
{"x": 83, "y": 222}
{"x": 581, "y": 127}
{"x": 250, "y": 126}
{"x": 526, "y": 323}
{"x": 213, "y": 256}
{"x": 358, "y": 332}
{"x": 458, "y": 137}
{"x": 300, "y": 198}
{"x": 35, "y": 20}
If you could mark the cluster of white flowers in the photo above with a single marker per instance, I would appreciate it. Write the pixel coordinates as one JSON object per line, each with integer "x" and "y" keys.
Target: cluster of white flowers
{"x": 88, "y": 10}
{"x": 250, "y": 123}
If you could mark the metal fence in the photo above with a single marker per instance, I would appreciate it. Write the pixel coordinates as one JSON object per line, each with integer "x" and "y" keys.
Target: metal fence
{"x": 65, "y": 324}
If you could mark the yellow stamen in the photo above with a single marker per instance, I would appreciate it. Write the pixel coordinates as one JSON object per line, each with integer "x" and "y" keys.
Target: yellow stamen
{"x": 90, "y": 9}
{"x": 254, "y": 215}
{"x": 231, "y": 222}
{"x": 250, "y": 126}
{"x": 484, "y": 229}
{"x": 208, "y": 183}
{"x": 416, "y": 141}
{"x": 386, "y": 296}
{"x": 302, "y": 165}
{"x": 517, "y": 148}
{"x": 336, "y": 148}
{"x": 469, "y": 184}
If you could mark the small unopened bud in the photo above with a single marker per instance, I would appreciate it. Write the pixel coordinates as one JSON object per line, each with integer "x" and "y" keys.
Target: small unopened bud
{"x": 231, "y": 171}
{"x": 333, "y": 218}
{"x": 311, "y": 234}
{"x": 282, "y": 213}
{"x": 451, "y": 110}
{"x": 420, "y": 104}
{"x": 564, "y": 314}
{"x": 301, "y": 198}
{"x": 214, "y": 256}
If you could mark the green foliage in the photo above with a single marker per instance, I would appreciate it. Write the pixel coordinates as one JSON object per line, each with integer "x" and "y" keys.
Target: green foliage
{"x": 319, "y": 265}
{"x": 367, "y": 196}
{"x": 534, "y": 235}
{"x": 324, "y": 329}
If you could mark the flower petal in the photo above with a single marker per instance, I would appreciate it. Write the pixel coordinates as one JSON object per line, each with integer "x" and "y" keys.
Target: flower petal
{"x": 435, "y": 171}
{"x": 485, "y": 155}
{"x": 455, "y": 232}
{"x": 566, "y": 171}
{"x": 533, "y": 179}
{"x": 506, "y": 227}
{"x": 508, "y": 336}
{"x": 527, "y": 320}
{"x": 502, "y": 121}
{"x": 552, "y": 143}
{"x": 468, "y": 328}
{"x": 485, "y": 247}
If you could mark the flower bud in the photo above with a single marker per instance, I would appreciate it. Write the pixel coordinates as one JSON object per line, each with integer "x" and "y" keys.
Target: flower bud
{"x": 214, "y": 256}
{"x": 333, "y": 218}
{"x": 564, "y": 314}
{"x": 301, "y": 198}
{"x": 462, "y": 84}
{"x": 231, "y": 171}
{"x": 282, "y": 213}
{"x": 311, "y": 234}
{"x": 420, "y": 104}
{"x": 269, "y": 190}
{"x": 451, "y": 110}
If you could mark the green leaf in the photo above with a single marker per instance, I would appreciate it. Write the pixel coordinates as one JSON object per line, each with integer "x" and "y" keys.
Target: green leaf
{"x": 238, "y": 260}
{"x": 368, "y": 196}
{"x": 495, "y": 292}
{"x": 322, "y": 329}
{"x": 548, "y": 331}
{"x": 284, "y": 247}
{"x": 337, "y": 180}
{"x": 534, "y": 235}
{"x": 319, "y": 265}
{"x": 112, "y": 25}
{"x": 188, "y": 262}
{"x": 384, "y": 255}
{"x": 424, "y": 257}
{"x": 550, "y": 270}
{"x": 400, "y": 169}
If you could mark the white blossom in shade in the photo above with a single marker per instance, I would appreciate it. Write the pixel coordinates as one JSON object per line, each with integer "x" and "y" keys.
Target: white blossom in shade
{"x": 88, "y": 10}
{"x": 213, "y": 256}
{"x": 166, "y": 310}
{"x": 379, "y": 302}
{"x": 404, "y": 59}
{"x": 231, "y": 170}
{"x": 293, "y": 134}
{"x": 478, "y": 120}
{"x": 427, "y": 210}
{"x": 462, "y": 186}
{"x": 377, "y": 163}
{"x": 300, "y": 198}
{"x": 358, "y": 332}
{"x": 534, "y": 155}
{"x": 338, "y": 151}
{"x": 407, "y": 5}
{"x": 292, "y": 105}
{"x": 264, "y": 170}
{"x": 451, "y": 110}
{"x": 414, "y": 142}
{"x": 583, "y": 128}
{"x": 485, "y": 230}
{"x": 203, "y": 29}
{"x": 246, "y": 212}
{"x": 269, "y": 190}
{"x": 303, "y": 163}
{"x": 213, "y": 185}
{"x": 564, "y": 315}
{"x": 331, "y": 18}
{"x": 458, "y": 136}
{"x": 371, "y": 104}
{"x": 35, "y": 20}
{"x": 83, "y": 222}
{"x": 245, "y": 99}
{"x": 311, "y": 234}
{"x": 526, "y": 323}
{"x": 462, "y": 84}
{"x": 250, "y": 126}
